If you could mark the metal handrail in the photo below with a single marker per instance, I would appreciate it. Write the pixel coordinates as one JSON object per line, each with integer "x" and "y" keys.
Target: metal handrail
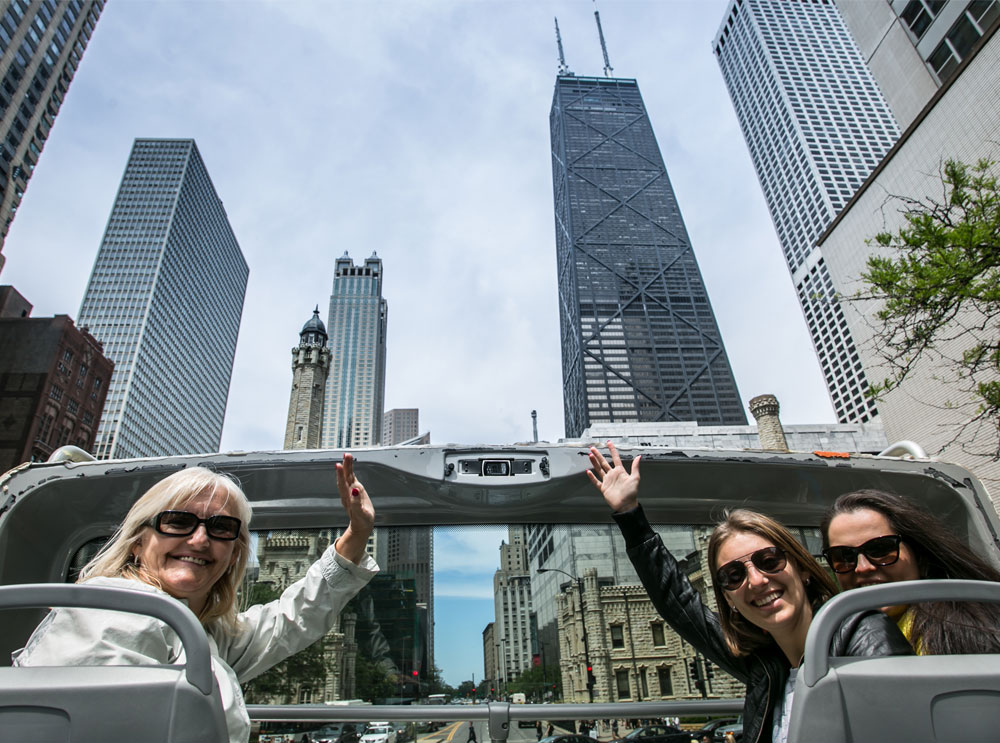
{"x": 497, "y": 714}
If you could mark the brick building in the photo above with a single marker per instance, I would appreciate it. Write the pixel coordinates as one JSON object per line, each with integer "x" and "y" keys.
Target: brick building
{"x": 53, "y": 383}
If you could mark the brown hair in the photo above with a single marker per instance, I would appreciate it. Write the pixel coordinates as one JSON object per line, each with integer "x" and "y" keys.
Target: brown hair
{"x": 943, "y": 627}
{"x": 741, "y": 636}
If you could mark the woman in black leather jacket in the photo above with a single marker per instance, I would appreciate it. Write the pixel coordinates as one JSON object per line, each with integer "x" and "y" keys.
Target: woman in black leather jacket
{"x": 767, "y": 587}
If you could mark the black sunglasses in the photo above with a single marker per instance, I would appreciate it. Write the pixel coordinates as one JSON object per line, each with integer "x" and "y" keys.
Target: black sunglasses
{"x": 880, "y": 551}
{"x": 183, "y": 523}
{"x": 767, "y": 560}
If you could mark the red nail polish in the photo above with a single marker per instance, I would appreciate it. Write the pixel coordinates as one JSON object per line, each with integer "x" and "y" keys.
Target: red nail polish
{"x": 355, "y": 491}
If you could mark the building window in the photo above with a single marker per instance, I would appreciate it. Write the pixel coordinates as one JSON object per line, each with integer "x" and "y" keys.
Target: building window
{"x": 56, "y": 392}
{"x": 918, "y": 15}
{"x": 962, "y": 36}
{"x": 666, "y": 682}
{"x": 621, "y": 681}
{"x": 659, "y": 638}
{"x": 617, "y": 636}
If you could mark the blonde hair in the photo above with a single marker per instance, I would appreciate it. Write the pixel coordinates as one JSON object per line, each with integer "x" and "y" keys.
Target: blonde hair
{"x": 116, "y": 558}
{"x": 742, "y": 637}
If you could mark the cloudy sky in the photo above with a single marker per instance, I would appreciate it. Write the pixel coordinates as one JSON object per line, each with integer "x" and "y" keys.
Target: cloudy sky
{"x": 417, "y": 129}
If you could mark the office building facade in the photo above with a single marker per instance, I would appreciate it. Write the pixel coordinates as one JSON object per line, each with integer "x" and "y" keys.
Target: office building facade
{"x": 41, "y": 45}
{"x": 400, "y": 425}
{"x": 355, "y": 388}
{"x": 816, "y": 126}
{"x": 512, "y": 607}
{"x": 165, "y": 298}
{"x": 638, "y": 335}
{"x": 934, "y": 406}
{"x": 913, "y": 47}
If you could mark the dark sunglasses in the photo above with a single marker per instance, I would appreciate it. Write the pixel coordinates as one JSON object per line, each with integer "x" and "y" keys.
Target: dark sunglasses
{"x": 767, "y": 560}
{"x": 183, "y": 523}
{"x": 880, "y": 551}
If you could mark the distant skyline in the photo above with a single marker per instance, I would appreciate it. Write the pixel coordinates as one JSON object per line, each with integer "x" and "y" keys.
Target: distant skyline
{"x": 419, "y": 130}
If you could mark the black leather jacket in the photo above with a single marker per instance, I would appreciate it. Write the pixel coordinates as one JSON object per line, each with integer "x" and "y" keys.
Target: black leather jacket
{"x": 764, "y": 671}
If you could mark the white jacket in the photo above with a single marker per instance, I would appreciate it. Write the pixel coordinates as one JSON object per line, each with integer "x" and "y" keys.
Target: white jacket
{"x": 269, "y": 633}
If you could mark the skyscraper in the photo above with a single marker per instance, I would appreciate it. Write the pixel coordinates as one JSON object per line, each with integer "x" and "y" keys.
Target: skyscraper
{"x": 355, "y": 389}
{"x": 816, "y": 126}
{"x": 638, "y": 335}
{"x": 165, "y": 298}
{"x": 41, "y": 45}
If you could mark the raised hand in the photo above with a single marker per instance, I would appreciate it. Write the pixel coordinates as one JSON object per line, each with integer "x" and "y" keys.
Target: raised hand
{"x": 619, "y": 488}
{"x": 354, "y": 498}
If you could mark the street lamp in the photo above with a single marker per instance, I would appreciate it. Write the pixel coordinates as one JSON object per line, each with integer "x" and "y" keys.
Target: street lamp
{"x": 583, "y": 617}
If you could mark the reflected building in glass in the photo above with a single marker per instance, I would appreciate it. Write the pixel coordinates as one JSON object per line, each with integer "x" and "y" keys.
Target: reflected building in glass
{"x": 638, "y": 335}
{"x": 165, "y": 298}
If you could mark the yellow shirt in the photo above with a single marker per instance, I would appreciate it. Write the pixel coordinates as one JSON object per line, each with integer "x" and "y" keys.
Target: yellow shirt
{"x": 905, "y": 624}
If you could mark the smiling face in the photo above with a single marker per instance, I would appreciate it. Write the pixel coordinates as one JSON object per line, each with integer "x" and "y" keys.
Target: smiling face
{"x": 775, "y": 602}
{"x": 853, "y": 529}
{"x": 188, "y": 567}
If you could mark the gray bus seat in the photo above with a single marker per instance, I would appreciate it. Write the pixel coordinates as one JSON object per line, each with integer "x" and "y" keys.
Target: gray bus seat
{"x": 102, "y": 704}
{"x": 913, "y": 699}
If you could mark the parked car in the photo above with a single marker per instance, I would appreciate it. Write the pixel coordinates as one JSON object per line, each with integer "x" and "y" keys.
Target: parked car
{"x": 379, "y": 732}
{"x": 656, "y": 734}
{"x": 568, "y": 738}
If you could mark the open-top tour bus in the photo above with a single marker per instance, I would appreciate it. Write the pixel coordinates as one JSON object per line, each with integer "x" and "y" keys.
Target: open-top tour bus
{"x": 54, "y": 516}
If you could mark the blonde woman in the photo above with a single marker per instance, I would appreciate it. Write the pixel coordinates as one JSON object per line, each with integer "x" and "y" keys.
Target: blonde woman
{"x": 188, "y": 537}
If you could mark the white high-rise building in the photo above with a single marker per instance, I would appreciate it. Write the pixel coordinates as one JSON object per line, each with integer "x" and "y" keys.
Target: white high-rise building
{"x": 816, "y": 126}
{"x": 166, "y": 298}
{"x": 355, "y": 388}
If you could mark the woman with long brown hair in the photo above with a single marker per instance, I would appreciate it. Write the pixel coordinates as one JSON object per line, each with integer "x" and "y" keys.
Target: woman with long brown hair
{"x": 872, "y": 537}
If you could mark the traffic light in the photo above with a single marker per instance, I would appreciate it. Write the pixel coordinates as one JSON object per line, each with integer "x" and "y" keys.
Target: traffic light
{"x": 709, "y": 673}
{"x": 700, "y": 686}
{"x": 416, "y": 673}
{"x": 590, "y": 677}
{"x": 693, "y": 666}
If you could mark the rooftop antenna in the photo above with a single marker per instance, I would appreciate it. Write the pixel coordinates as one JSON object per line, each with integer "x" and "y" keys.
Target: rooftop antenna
{"x": 563, "y": 69}
{"x": 608, "y": 69}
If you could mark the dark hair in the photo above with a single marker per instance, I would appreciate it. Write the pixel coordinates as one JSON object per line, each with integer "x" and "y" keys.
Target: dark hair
{"x": 944, "y": 627}
{"x": 741, "y": 636}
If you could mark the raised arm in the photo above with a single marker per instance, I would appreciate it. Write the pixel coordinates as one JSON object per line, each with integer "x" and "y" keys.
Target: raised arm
{"x": 360, "y": 511}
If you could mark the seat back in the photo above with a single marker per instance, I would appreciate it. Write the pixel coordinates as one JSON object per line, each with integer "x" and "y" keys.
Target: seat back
{"x": 159, "y": 704}
{"x": 912, "y": 698}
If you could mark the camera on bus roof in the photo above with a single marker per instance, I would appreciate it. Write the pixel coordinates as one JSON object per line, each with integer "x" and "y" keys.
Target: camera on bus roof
{"x": 496, "y": 467}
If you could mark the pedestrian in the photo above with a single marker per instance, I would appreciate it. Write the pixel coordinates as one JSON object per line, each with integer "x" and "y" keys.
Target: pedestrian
{"x": 614, "y": 728}
{"x": 472, "y": 733}
{"x": 549, "y": 731}
{"x": 538, "y": 729}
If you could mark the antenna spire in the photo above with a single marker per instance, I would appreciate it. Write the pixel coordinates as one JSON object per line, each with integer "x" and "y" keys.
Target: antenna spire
{"x": 563, "y": 69}
{"x": 608, "y": 69}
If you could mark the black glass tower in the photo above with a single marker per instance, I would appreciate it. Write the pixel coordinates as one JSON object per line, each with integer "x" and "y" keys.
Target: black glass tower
{"x": 639, "y": 338}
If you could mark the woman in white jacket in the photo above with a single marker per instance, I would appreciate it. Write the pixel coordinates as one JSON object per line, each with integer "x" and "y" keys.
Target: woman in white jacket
{"x": 188, "y": 537}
